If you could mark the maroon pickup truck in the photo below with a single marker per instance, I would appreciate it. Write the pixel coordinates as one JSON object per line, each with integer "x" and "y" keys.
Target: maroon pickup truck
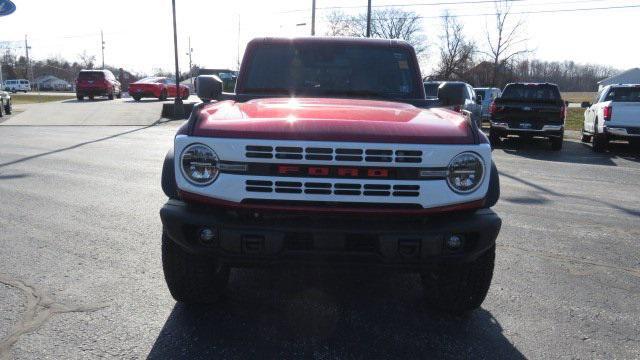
{"x": 328, "y": 153}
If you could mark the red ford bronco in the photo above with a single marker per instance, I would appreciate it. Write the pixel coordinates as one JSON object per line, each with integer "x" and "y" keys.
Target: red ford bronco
{"x": 328, "y": 153}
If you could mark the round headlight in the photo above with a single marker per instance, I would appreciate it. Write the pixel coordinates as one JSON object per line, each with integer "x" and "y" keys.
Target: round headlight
{"x": 465, "y": 172}
{"x": 199, "y": 164}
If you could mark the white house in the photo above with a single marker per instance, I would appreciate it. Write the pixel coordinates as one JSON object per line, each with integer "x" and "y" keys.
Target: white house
{"x": 50, "y": 82}
{"x": 631, "y": 76}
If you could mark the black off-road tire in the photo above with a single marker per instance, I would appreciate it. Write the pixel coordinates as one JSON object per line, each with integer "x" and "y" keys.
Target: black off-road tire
{"x": 163, "y": 95}
{"x": 110, "y": 96}
{"x": 493, "y": 194}
{"x": 459, "y": 288}
{"x": 599, "y": 142}
{"x": 494, "y": 138}
{"x": 119, "y": 95}
{"x": 168, "y": 181}
{"x": 91, "y": 97}
{"x": 80, "y": 97}
{"x": 7, "y": 108}
{"x": 191, "y": 278}
{"x": 585, "y": 138}
{"x": 556, "y": 143}
{"x": 136, "y": 98}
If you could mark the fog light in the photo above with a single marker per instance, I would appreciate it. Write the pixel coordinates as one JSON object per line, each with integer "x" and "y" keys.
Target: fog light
{"x": 454, "y": 242}
{"x": 207, "y": 235}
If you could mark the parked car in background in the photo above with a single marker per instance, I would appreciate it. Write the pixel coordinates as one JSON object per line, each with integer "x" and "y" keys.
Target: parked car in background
{"x": 91, "y": 83}
{"x": 431, "y": 88}
{"x": 488, "y": 95}
{"x": 615, "y": 115}
{"x": 156, "y": 87}
{"x": 16, "y": 85}
{"x": 528, "y": 110}
{"x": 227, "y": 76}
{"x": 5, "y": 103}
{"x": 460, "y": 96}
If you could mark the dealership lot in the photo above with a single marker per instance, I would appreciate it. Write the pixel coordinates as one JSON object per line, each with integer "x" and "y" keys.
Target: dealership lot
{"x": 80, "y": 271}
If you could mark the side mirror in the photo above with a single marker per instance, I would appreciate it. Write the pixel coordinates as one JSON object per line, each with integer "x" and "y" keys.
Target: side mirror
{"x": 209, "y": 87}
{"x": 585, "y": 105}
{"x": 479, "y": 99}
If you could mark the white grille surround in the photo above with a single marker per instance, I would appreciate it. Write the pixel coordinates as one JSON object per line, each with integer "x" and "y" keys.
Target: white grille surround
{"x": 233, "y": 187}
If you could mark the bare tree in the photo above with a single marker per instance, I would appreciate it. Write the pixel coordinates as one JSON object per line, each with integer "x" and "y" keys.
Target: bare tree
{"x": 87, "y": 61}
{"x": 387, "y": 23}
{"x": 507, "y": 40}
{"x": 456, "y": 52}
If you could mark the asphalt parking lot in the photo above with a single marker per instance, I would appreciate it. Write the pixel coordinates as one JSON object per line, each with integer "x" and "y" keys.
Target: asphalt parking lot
{"x": 80, "y": 271}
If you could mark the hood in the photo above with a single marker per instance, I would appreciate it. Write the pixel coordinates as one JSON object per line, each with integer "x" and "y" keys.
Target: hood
{"x": 320, "y": 119}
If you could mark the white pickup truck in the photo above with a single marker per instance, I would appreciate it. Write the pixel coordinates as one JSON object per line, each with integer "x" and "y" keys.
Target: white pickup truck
{"x": 615, "y": 115}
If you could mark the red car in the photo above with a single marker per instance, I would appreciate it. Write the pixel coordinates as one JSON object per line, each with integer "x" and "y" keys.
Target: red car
{"x": 157, "y": 87}
{"x": 93, "y": 83}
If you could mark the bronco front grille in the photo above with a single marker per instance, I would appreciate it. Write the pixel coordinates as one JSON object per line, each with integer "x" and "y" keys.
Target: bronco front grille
{"x": 325, "y": 188}
{"x": 333, "y": 154}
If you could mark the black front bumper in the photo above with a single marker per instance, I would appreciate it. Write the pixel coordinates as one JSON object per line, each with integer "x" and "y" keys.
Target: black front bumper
{"x": 384, "y": 242}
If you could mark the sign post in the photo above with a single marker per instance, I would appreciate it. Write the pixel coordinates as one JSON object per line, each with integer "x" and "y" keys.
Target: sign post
{"x": 178, "y": 111}
{"x": 6, "y": 8}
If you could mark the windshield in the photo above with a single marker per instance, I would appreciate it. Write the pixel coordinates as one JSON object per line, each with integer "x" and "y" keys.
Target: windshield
{"x": 452, "y": 94}
{"x": 382, "y": 72}
{"x": 91, "y": 75}
{"x": 150, "y": 80}
{"x": 531, "y": 92}
{"x": 631, "y": 94}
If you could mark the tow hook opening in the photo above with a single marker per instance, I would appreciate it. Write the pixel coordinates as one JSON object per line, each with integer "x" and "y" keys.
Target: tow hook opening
{"x": 409, "y": 247}
{"x": 253, "y": 244}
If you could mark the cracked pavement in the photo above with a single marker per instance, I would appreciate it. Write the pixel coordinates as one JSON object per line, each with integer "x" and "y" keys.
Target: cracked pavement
{"x": 80, "y": 271}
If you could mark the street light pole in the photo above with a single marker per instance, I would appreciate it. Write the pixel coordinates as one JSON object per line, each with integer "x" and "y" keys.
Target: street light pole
{"x": 178, "y": 111}
{"x": 369, "y": 19}
{"x": 26, "y": 49}
{"x": 313, "y": 17}
{"x": 102, "y": 41}
{"x": 190, "y": 63}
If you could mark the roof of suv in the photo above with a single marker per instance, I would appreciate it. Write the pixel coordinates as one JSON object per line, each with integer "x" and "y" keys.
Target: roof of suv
{"x": 624, "y": 85}
{"x": 330, "y": 40}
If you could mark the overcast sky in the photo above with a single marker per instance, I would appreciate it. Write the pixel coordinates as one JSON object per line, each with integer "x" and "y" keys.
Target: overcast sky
{"x": 138, "y": 33}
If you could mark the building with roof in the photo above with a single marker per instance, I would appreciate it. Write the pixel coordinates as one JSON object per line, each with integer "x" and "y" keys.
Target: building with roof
{"x": 51, "y": 83}
{"x": 631, "y": 76}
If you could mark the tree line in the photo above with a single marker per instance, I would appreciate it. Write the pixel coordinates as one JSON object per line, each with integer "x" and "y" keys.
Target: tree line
{"x": 17, "y": 67}
{"x": 502, "y": 57}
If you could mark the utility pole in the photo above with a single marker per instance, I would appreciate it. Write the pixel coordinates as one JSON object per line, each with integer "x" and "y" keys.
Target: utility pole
{"x": 178, "y": 111}
{"x": 190, "y": 63}
{"x": 369, "y": 19}
{"x": 238, "y": 48}
{"x": 102, "y": 41}
{"x": 26, "y": 48}
{"x": 313, "y": 17}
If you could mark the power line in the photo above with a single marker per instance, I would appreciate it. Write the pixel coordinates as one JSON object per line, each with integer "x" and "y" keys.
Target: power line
{"x": 544, "y": 11}
{"x": 511, "y": 13}
{"x": 400, "y": 5}
{"x": 441, "y": 3}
